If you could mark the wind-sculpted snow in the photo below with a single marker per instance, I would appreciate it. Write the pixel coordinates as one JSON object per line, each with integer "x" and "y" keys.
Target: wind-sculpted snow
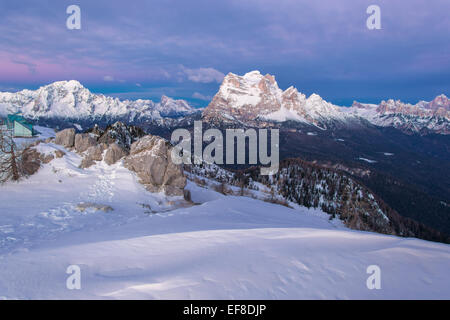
{"x": 130, "y": 243}
{"x": 234, "y": 248}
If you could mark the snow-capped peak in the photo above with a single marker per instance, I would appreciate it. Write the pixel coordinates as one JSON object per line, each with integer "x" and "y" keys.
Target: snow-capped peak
{"x": 253, "y": 97}
{"x": 71, "y": 100}
{"x": 67, "y": 84}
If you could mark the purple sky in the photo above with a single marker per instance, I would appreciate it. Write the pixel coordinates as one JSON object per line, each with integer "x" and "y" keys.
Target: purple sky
{"x": 182, "y": 48}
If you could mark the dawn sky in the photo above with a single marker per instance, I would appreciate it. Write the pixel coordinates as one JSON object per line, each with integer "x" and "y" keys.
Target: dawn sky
{"x": 180, "y": 48}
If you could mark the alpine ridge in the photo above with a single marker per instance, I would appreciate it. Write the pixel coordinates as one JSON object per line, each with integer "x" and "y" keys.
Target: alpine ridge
{"x": 256, "y": 99}
{"x": 69, "y": 100}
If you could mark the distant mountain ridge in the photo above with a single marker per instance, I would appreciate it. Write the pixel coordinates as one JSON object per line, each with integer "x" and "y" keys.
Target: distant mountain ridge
{"x": 70, "y": 100}
{"x": 251, "y": 99}
{"x": 254, "y": 98}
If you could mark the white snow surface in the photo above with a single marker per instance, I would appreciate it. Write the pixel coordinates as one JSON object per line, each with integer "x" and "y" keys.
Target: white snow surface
{"x": 224, "y": 247}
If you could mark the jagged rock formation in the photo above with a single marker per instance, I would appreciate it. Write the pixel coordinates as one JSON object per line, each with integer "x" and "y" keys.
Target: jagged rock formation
{"x": 423, "y": 117}
{"x": 66, "y": 138}
{"x": 84, "y": 141}
{"x": 114, "y": 153}
{"x": 92, "y": 154}
{"x": 254, "y": 98}
{"x": 150, "y": 158}
{"x": 119, "y": 133}
{"x": 116, "y": 139}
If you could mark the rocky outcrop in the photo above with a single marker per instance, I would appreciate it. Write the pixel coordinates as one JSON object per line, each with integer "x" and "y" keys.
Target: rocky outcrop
{"x": 84, "y": 206}
{"x": 121, "y": 134}
{"x": 96, "y": 131}
{"x": 66, "y": 138}
{"x": 150, "y": 158}
{"x": 84, "y": 141}
{"x": 116, "y": 139}
{"x": 114, "y": 153}
{"x": 93, "y": 153}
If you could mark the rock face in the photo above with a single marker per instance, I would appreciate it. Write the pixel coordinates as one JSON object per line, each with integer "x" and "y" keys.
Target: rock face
{"x": 114, "y": 153}
{"x": 116, "y": 139}
{"x": 256, "y": 97}
{"x": 93, "y": 153}
{"x": 84, "y": 141}
{"x": 121, "y": 134}
{"x": 66, "y": 138}
{"x": 150, "y": 158}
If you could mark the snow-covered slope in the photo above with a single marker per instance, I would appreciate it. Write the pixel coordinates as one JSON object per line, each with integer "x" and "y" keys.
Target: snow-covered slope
{"x": 70, "y": 100}
{"x": 252, "y": 98}
{"x": 130, "y": 243}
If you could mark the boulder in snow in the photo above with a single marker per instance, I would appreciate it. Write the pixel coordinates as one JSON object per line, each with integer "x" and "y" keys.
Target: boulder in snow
{"x": 66, "y": 138}
{"x": 114, "y": 153}
{"x": 84, "y": 141}
{"x": 93, "y": 153}
{"x": 150, "y": 158}
{"x": 59, "y": 153}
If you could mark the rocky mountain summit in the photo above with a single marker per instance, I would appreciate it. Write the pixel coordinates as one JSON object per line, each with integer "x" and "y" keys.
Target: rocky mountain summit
{"x": 256, "y": 97}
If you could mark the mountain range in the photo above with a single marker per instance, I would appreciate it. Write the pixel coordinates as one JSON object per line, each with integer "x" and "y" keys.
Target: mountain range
{"x": 252, "y": 99}
{"x": 71, "y": 101}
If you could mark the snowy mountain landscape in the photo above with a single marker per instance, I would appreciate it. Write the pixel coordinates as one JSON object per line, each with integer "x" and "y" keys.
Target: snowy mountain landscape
{"x": 134, "y": 244}
{"x": 103, "y": 195}
{"x": 71, "y": 102}
{"x": 232, "y": 157}
{"x": 254, "y": 96}
{"x": 251, "y": 99}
